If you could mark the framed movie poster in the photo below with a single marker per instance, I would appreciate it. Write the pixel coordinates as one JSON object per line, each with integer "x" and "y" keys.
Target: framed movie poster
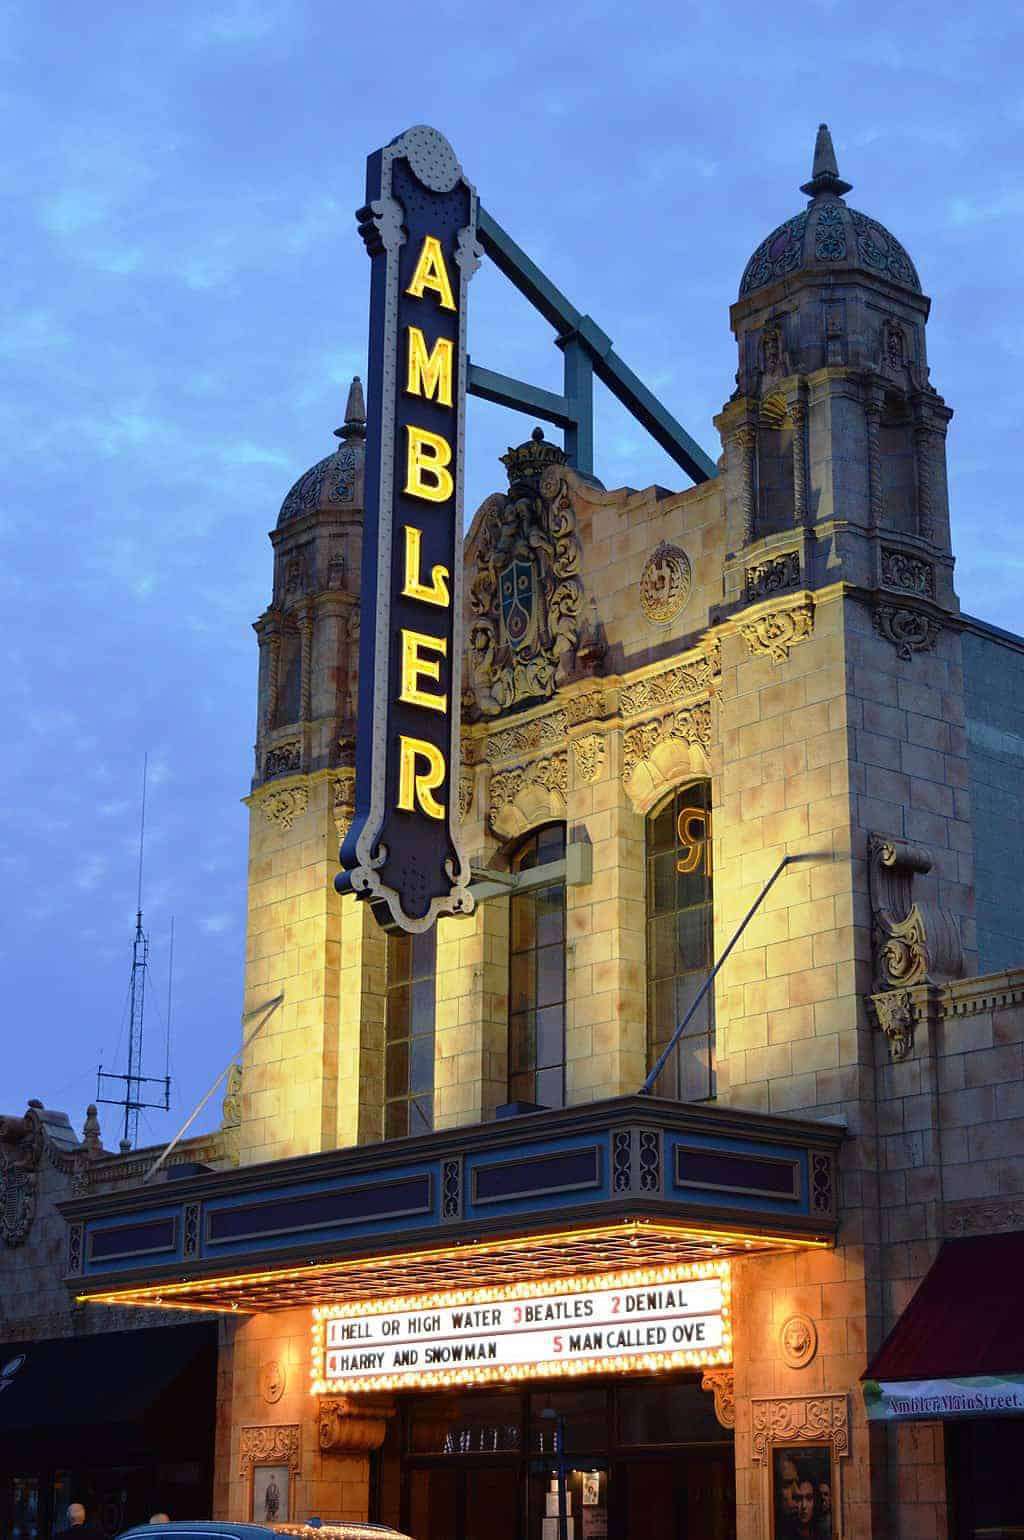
{"x": 802, "y": 1492}
{"x": 271, "y": 1494}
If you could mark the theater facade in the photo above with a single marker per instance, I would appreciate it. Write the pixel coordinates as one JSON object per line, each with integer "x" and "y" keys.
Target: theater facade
{"x": 468, "y": 1272}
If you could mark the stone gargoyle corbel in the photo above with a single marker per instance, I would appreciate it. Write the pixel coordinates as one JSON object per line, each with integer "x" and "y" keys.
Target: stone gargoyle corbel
{"x": 913, "y": 940}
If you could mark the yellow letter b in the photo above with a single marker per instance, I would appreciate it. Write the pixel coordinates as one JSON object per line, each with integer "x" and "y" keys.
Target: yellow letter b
{"x": 426, "y": 474}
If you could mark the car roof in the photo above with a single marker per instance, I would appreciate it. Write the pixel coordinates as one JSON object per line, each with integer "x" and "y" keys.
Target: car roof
{"x": 227, "y": 1529}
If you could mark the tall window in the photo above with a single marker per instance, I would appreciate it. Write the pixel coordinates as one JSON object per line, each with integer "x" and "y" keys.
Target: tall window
{"x": 680, "y": 941}
{"x": 536, "y": 1028}
{"x": 409, "y": 1034}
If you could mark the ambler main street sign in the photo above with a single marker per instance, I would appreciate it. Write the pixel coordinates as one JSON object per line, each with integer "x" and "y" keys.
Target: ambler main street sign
{"x": 419, "y": 224}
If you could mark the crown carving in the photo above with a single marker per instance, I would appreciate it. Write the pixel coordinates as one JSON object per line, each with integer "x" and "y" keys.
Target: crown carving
{"x": 530, "y": 461}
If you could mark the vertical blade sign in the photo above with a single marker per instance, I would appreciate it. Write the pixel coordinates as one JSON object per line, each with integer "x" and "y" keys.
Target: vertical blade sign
{"x": 419, "y": 224}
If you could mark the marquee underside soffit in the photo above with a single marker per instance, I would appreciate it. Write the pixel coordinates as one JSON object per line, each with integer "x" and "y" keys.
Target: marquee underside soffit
{"x": 627, "y": 1247}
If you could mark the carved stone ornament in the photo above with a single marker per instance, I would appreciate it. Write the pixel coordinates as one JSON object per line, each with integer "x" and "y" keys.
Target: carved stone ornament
{"x": 284, "y": 806}
{"x": 273, "y": 1379}
{"x": 800, "y": 1420}
{"x": 722, "y": 1384}
{"x": 909, "y": 631}
{"x": 466, "y": 780}
{"x": 547, "y": 776}
{"x": 231, "y": 1106}
{"x": 589, "y": 753}
{"x": 772, "y": 635}
{"x": 279, "y": 1444}
{"x": 691, "y": 726}
{"x": 798, "y": 1341}
{"x": 353, "y": 1424}
{"x": 524, "y": 737}
{"x": 702, "y": 676}
{"x": 525, "y": 594}
{"x": 976, "y": 1218}
{"x": 910, "y": 574}
{"x": 284, "y": 759}
{"x": 21, "y": 1150}
{"x": 914, "y": 941}
{"x": 587, "y": 708}
{"x": 896, "y": 1015}
{"x": 665, "y": 583}
{"x": 343, "y": 800}
{"x": 772, "y": 577}
{"x": 17, "y": 1199}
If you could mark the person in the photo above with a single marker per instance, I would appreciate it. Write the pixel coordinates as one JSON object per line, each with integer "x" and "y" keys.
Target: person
{"x": 800, "y": 1521}
{"x": 271, "y": 1501}
{"x": 77, "y": 1528}
{"x": 788, "y": 1477}
{"x": 824, "y": 1510}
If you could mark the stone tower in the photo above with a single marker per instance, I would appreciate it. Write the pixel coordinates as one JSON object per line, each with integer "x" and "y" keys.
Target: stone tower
{"x": 301, "y": 798}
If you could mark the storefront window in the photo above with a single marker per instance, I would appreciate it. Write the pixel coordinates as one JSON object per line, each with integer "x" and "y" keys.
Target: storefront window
{"x": 680, "y": 941}
{"x": 536, "y": 1035}
{"x": 409, "y": 1034}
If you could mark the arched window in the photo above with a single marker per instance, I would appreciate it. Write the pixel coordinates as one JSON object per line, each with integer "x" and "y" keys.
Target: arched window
{"x": 409, "y": 1034}
{"x": 680, "y": 941}
{"x": 536, "y": 1023}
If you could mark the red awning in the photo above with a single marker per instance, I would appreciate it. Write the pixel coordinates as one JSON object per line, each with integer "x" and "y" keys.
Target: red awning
{"x": 965, "y": 1319}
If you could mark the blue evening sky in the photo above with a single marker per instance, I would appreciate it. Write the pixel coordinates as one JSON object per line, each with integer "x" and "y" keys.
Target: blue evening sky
{"x": 184, "y": 305}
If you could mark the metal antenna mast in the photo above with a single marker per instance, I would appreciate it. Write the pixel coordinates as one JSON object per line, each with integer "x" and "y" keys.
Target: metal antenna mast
{"x": 134, "y": 1081}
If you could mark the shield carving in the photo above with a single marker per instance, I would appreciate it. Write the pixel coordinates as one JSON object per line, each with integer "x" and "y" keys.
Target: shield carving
{"x": 516, "y": 587}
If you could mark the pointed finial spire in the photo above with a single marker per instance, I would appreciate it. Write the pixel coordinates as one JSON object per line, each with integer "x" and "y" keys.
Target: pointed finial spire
{"x": 355, "y": 413}
{"x": 825, "y": 176}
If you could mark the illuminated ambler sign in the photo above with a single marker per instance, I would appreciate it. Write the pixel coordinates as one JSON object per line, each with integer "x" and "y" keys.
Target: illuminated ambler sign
{"x": 655, "y": 1319}
{"x": 419, "y": 224}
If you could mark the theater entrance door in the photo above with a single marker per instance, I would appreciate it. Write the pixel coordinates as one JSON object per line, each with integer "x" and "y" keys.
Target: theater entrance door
{"x": 643, "y": 1458}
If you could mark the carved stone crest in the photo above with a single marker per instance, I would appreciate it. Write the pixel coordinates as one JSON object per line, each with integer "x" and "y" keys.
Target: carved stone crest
{"x": 665, "y": 583}
{"x": 909, "y": 631}
{"x": 798, "y": 1340}
{"x": 525, "y": 595}
{"x": 17, "y": 1199}
{"x": 772, "y": 635}
{"x": 284, "y": 806}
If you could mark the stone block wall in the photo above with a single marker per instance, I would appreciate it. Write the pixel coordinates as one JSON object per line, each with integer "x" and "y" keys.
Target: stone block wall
{"x": 994, "y": 700}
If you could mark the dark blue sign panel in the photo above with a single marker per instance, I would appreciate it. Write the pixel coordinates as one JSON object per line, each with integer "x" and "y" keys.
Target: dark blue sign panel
{"x": 419, "y": 224}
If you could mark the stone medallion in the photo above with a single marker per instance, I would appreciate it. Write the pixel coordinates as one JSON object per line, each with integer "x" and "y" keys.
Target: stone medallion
{"x": 273, "y": 1379}
{"x": 798, "y": 1340}
{"x": 665, "y": 583}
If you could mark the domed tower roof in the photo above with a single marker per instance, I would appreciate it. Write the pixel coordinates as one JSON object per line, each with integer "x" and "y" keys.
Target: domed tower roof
{"x": 331, "y": 482}
{"x": 828, "y": 235}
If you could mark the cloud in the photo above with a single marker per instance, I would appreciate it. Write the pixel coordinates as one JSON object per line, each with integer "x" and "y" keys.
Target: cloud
{"x": 243, "y": 21}
{"x": 32, "y": 332}
{"x": 969, "y": 211}
{"x": 246, "y": 453}
{"x": 217, "y": 924}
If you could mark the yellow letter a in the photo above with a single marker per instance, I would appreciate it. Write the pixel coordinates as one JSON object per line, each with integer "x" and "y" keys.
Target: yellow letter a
{"x": 431, "y": 273}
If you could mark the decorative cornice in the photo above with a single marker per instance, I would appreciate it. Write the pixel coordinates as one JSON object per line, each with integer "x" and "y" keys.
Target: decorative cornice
{"x": 538, "y": 733}
{"x": 353, "y": 1424}
{"x": 980, "y": 1217}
